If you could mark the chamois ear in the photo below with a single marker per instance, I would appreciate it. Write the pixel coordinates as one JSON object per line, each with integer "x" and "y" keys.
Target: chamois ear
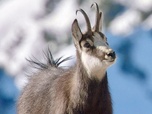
{"x": 76, "y": 32}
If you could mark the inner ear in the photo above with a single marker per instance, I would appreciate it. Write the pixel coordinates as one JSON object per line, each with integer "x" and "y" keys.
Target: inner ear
{"x": 76, "y": 32}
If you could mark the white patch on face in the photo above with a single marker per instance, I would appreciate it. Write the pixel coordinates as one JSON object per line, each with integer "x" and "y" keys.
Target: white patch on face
{"x": 103, "y": 48}
{"x": 94, "y": 66}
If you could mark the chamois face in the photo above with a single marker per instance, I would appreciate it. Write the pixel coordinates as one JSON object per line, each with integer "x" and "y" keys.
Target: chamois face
{"x": 92, "y": 46}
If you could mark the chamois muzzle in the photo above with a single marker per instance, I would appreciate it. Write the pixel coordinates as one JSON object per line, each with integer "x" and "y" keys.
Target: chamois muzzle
{"x": 110, "y": 56}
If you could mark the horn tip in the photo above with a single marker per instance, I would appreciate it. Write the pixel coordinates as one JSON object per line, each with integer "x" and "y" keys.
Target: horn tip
{"x": 78, "y": 11}
{"x": 95, "y": 3}
{"x": 101, "y": 13}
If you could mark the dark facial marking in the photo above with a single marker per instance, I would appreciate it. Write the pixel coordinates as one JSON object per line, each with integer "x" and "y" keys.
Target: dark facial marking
{"x": 101, "y": 34}
{"x": 87, "y": 45}
{"x": 103, "y": 37}
{"x": 84, "y": 38}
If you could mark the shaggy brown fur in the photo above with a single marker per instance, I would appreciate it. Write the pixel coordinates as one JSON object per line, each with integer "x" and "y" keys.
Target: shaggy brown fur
{"x": 58, "y": 91}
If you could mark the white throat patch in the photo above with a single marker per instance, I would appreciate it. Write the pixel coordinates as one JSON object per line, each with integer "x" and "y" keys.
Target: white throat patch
{"x": 94, "y": 66}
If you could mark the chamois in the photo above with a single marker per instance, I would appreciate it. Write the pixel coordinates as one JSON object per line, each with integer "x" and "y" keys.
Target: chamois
{"x": 81, "y": 89}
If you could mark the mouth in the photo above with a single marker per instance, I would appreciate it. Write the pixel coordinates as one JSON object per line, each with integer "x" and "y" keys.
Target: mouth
{"x": 111, "y": 60}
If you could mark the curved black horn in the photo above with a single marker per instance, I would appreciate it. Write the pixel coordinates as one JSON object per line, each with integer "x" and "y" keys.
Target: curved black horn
{"x": 98, "y": 17}
{"x": 86, "y": 19}
{"x": 100, "y": 21}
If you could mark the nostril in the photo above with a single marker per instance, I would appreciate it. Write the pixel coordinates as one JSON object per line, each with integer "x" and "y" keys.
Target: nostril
{"x": 112, "y": 54}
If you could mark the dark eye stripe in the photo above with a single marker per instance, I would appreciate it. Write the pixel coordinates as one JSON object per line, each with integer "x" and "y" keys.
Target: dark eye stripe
{"x": 102, "y": 35}
{"x": 87, "y": 45}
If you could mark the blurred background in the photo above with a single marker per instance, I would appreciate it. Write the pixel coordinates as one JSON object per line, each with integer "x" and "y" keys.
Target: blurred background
{"x": 29, "y": 27}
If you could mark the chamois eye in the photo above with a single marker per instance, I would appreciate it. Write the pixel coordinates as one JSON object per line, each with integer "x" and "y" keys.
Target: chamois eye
{"x": 87, "y": 45}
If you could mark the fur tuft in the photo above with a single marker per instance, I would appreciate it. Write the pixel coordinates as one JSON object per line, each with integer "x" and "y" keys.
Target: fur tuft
{"x": 49, "y": 61}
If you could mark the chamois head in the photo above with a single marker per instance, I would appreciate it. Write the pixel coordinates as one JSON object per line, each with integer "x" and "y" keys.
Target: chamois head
{"x": 92, "y": 46}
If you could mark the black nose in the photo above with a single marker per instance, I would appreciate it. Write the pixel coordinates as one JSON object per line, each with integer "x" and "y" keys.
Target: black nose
{"x": 112, "y": 54}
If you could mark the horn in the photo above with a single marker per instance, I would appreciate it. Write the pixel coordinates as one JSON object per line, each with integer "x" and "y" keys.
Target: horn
{"x": 86, "y": 19}
{"x": 98, "y": 17}
{"x": 100, "y": 22}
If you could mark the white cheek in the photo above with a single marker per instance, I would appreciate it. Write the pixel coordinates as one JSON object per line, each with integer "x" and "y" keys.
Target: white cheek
{"x": 107, "y": 64}
{"x": 93, "y": 65}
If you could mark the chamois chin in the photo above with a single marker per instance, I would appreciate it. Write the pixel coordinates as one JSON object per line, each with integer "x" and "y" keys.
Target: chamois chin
{"x": 81, "y": 89}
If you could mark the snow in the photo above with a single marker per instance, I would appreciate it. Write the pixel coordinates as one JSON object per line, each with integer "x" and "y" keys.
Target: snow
{"x": 148, "y": 23}
{"x": 61, "y": 18}
{"x": 125, "y": 23}
{"x": 143, "y": 5}
{"x": 18, "y": 20}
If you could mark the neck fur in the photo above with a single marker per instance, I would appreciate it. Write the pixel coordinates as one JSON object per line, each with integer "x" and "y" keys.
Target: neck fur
{"x": 93, "y": 66}
{"x": 81, "y": 82}
{"x": 87, "y": 93}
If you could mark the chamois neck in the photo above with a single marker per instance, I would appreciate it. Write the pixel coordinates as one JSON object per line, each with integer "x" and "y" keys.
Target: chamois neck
{"x": 80, "y": 70}
{"x": 89, "y": 70}
{"x": 89, "y": 94}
